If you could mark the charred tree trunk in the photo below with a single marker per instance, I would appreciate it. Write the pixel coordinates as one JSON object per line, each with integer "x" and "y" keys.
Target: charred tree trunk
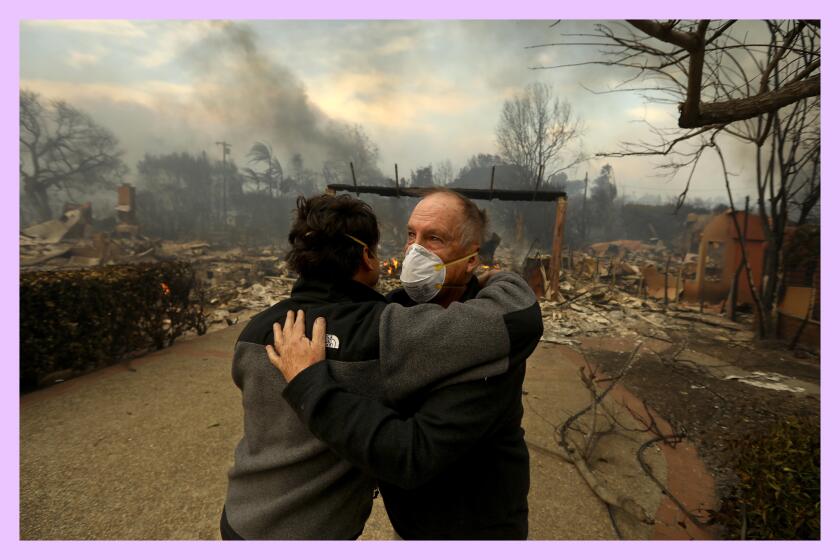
{"x": 36, "y": 195}
{"x": 771, "y": 284}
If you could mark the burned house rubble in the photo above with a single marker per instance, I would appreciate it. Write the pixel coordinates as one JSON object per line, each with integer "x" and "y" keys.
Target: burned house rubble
{"x": 603, "y": 288}
{"x": 233, "y": 282}
{"x": 705, "y": 277}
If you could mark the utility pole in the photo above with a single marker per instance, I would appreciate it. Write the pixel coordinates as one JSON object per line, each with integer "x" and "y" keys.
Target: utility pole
{"x": 225, "y": 151}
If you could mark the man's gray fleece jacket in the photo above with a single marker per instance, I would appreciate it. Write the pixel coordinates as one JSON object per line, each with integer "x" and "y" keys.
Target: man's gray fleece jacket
{"x": 285, "y": 483}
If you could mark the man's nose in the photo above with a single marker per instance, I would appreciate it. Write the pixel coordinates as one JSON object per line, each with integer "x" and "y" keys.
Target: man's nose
{"x": 425, "y": 244}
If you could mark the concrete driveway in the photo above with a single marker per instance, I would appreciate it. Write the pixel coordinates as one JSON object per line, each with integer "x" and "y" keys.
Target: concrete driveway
{"x": 140, "y": 450}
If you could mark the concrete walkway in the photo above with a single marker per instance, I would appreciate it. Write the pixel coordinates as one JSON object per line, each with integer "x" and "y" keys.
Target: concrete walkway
{"x": 140, "y": 450}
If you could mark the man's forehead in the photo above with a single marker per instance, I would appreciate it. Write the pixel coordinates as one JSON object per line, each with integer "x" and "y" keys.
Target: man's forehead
{"x": 429, "y": 228}
{"x": 439, "y": 204}
{"x": 429, "y": 223}
{"x": 441, "y": 198}
{"x": 431, "y": 215}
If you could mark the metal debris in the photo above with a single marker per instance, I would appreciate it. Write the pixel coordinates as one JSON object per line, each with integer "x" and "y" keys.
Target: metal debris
{"x": 766, "y": 380}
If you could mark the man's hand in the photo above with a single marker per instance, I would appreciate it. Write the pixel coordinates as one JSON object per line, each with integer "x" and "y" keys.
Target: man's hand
{"x": 292, "y": 351}
{"x": 485, "y": 276}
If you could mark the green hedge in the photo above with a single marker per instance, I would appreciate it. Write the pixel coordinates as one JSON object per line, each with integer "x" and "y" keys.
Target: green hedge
{"x": 81, "y": 319}
{"x": 778, "y": 496}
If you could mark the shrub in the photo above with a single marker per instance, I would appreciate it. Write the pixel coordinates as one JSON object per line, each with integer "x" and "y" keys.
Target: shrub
{"x": 81, "y": 319}
{"x": 778, "y": 495}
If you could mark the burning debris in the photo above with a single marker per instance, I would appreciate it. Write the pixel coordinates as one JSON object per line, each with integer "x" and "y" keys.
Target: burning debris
{"x": 390, "y": 267}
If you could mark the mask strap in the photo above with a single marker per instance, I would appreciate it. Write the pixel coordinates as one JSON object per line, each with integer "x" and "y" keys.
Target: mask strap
{"x": 439, "y": 286}
{"x": 360, "y": 242}
{"x": 441, "y": 265}
{"x": 357, "y": 240}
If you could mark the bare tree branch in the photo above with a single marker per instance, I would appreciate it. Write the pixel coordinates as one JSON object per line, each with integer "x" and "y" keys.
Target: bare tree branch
{"x": 687, "y": 41}
{"x": 740, "y": 109}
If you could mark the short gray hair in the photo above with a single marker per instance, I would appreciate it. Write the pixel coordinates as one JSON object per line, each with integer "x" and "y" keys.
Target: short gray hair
{"x": 474, "y": 225}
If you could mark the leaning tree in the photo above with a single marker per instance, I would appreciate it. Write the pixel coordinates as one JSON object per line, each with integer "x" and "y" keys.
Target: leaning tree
{"x": 63, "y": 149}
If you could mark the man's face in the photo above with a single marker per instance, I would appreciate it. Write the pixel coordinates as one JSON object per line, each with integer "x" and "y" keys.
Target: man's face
{"x": 435, "y": 224}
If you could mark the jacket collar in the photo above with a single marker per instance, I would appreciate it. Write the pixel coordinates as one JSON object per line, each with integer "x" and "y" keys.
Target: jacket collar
{"x": 321, "y": 291}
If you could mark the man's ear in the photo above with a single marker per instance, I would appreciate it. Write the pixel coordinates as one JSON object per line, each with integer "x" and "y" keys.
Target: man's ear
{"x": 473, "y": 262}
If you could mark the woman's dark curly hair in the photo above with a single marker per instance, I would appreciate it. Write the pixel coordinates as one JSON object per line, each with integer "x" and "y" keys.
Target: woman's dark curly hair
{"x": 321, "y": 248}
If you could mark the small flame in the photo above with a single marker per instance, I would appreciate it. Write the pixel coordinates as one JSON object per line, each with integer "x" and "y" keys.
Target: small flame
{"x": 165, "y": 288}
{"x": 390, "y": 266}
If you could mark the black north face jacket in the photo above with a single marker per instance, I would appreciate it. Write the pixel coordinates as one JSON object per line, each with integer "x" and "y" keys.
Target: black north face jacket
{"x": 450, "y": 458}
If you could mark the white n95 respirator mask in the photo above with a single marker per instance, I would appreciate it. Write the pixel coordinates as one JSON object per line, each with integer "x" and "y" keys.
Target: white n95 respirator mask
{"x": 423, "y": 273}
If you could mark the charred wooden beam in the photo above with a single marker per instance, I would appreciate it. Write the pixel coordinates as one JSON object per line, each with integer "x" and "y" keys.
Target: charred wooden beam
{"x": 476, "y": 194}
{"x": 557, "y": 245}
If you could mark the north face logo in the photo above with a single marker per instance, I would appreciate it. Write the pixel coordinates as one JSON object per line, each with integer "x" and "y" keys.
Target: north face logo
{"x": 332, "y": 341}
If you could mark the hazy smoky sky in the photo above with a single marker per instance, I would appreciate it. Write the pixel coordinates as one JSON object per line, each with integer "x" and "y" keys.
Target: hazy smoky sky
{"x": 424, "y": 91}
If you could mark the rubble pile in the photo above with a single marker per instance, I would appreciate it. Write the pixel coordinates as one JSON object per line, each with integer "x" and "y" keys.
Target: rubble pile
{"x": 609, "y": 289}
{"x": 590, "y": 310}
{"x": 638, "y": 268}
{"x": 229, "y": 280}
{"x": 227, "y": 300}
{"x": 233, "y": 283}
{"x": 617, "y": 289}
{"x": 71, "y": 242}
{"x": 240, "y": 282}
{"x": 583, "y": 309}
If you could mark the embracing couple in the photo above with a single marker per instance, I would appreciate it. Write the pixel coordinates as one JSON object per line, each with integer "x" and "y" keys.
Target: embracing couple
{"x": 416, "y": 393}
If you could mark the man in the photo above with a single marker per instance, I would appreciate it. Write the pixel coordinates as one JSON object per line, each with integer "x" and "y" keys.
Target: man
{"x": 451, "y": 461}
{"x": 285, "y": 484}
